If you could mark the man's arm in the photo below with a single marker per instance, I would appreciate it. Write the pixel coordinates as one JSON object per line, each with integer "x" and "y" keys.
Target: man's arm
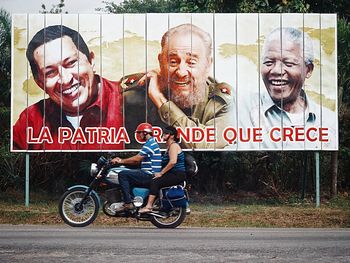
{"x": 19, "y": 133}
{"x": 134, "y": 160}
{"x": 29, "y": 117}
{"x": 217, "y": 114}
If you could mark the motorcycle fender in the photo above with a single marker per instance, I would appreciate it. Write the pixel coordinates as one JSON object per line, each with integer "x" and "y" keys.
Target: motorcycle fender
{"x": 85, "y": 187}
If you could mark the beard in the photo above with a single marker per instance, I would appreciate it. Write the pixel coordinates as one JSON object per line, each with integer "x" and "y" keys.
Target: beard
{"x": 185, "y": 100}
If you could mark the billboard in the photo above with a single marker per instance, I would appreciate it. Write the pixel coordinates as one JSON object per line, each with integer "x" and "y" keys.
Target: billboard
{"x": 227, "y": 82}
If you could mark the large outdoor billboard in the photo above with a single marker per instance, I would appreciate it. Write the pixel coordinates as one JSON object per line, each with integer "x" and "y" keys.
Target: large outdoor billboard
{"x": 235, "y": 82}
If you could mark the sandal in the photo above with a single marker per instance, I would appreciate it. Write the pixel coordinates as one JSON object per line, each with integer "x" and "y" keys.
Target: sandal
{"x": 145, "y": 209}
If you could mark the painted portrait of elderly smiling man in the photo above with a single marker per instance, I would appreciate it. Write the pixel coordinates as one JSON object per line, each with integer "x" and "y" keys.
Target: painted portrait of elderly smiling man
{"x": 181, "y": 93}
{"x": 287, "y": 61}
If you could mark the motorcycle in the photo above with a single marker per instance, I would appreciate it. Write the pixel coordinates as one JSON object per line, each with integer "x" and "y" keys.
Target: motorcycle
{"x": 80, "y": 204}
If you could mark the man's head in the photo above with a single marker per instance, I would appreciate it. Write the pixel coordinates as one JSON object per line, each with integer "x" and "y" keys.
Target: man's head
{"x": 185, "y": 63}
{"x": 287, "y": 59}
{"x": 63, "y": 66}
{"x": 143, "y": 131}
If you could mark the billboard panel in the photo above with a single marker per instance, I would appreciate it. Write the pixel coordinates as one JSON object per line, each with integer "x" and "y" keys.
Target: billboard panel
{"x": 235, "y": 82}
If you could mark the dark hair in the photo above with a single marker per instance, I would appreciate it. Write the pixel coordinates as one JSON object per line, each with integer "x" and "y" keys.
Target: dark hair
{"x": 50, "y": 33}
{"x": 172, "y": 131}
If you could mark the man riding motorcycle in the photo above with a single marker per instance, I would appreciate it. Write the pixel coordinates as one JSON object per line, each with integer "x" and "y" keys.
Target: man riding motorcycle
{"x": 150, "y": 159}
{"x": 79, "y": 205}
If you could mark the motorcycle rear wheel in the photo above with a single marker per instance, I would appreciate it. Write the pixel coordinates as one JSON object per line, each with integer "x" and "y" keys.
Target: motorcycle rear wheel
{"x": 174, "y": 218}
{"x": 75, "y": 215}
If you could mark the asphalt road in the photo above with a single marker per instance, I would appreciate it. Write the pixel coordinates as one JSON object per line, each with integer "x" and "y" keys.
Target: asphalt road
{"x": 96, "y": 244}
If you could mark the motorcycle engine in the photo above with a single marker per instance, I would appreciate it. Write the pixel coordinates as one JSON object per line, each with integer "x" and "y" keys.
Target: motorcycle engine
{"x": 115, "y": 206}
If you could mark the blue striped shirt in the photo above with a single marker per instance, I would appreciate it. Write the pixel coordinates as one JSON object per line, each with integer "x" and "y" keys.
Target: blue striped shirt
{"x": 152, "y": 161}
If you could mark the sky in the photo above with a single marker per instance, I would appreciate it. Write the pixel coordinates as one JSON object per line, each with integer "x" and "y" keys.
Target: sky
{"x": 71, "y": 6}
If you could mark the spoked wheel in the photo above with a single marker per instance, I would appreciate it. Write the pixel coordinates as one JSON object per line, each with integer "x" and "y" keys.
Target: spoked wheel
{"x": 172, "y": 219}
{"x": 73, "y": 212}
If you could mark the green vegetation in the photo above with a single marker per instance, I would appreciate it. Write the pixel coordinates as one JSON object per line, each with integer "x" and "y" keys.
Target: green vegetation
{"x": 55, "y": 9}
{"x": 270, "y": 175}
{"x": 245, "y": 212}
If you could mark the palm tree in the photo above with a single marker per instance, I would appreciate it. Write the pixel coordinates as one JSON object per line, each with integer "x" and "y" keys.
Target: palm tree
{"x": 5, "y": 57}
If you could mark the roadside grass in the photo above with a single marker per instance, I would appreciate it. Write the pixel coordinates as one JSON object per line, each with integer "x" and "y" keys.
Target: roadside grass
{"x": 247, "y": 212}
{"x": 268, "y": 216}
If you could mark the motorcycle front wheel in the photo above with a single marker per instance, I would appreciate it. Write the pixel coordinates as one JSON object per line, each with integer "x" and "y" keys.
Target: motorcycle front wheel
{"x": 73, "y": 212}
{"x": 172, "y": 219}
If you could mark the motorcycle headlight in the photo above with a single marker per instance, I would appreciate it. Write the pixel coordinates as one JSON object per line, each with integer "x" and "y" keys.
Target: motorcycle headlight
{"x": 93, "y": 169}
{"x": 101, "y": 161}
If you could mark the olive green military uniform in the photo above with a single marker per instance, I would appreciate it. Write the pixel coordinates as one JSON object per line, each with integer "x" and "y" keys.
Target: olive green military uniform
{"x": 216, "y": 111}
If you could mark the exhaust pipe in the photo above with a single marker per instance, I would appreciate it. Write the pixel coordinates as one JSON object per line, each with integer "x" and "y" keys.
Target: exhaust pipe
{"x": 156, "y": 215}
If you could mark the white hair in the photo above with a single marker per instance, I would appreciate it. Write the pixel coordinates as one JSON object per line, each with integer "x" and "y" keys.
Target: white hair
{"x": 296, "y": 36}
{"x": 190, "y": 29}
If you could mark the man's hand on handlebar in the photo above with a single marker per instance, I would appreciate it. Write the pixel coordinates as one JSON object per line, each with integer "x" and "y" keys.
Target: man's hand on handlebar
{"x": 117, "y": 160}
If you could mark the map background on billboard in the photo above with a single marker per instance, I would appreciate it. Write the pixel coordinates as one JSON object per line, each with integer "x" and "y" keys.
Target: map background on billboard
{"x": 130, "y": 43}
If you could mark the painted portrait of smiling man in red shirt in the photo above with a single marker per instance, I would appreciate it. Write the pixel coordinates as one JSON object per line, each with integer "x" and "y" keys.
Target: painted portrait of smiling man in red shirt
{"x": 83, "y": 111}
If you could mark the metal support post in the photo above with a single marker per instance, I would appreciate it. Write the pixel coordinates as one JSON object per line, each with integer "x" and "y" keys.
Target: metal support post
{"x": 304, "y": 176}
{"x": 317, "y": 163}
{"x": 27, "y": 181}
